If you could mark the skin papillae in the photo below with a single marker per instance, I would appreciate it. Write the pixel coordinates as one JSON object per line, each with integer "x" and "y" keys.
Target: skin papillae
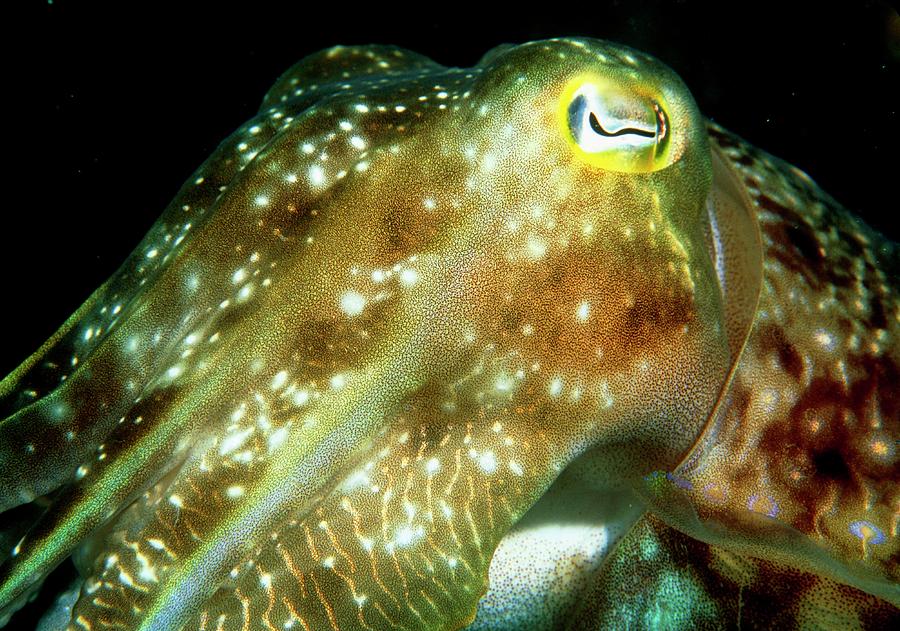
{"x": 414, "y": 350}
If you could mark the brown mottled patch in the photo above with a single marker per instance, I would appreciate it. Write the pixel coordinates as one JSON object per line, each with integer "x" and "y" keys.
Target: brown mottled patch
{"x": 877, "y": 317}
{"x": 819, "y": 439}
{"x": 795, "y": 244}
{"x": 773, "y": 339}
{"x": 723, "y": 139}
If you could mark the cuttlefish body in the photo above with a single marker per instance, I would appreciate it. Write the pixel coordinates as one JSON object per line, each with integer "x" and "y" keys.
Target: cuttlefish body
{"x": 525, "y": 345}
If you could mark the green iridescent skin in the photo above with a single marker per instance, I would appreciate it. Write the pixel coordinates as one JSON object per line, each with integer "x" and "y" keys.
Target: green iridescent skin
{"x": 524, "y": 345}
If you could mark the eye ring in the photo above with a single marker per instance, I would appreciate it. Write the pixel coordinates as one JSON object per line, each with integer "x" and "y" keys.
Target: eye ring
{"x": 616, "y": 129}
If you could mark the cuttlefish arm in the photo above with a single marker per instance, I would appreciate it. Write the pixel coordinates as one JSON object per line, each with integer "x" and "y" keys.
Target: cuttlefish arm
{"x": 96, "y": 448}
{"x": 38, "y": 398}
{"x": 421, "y": 300}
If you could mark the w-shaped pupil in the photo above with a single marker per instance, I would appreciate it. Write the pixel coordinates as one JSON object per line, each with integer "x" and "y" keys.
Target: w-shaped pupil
{"x": 598, "y": 128}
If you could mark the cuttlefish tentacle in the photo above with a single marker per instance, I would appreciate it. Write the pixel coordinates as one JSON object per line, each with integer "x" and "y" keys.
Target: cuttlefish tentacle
{"x": 800, "y": 464}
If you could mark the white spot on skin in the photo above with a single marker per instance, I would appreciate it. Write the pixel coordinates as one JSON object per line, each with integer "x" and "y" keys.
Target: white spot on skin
{"x": 239, "y": 413}
{"x": 277, "y": 438}
{"x": 357, "y": 142}
{"x": 556, "y": 387}
{"x": 407, "y": 535}
{"x": 239, "y": 276}
{"x": 487, "y": 462}
{"x": 516, "y": 468}
{"x": 244, "y": 292}
{"x": 606, "y": 395}
{"x": 234, "y": 491}
{"x": 432, "y": 466}
{"x": 300, "y": 397}
{"x": 316, "y": 175}
{"x": 261, "y": 200}
{"x": 234, "y": 441}
{"x": 279, "y": 380}
{"x": 338, "y": 381}
{"x": 825, "y": 339}
{"x": 583, "y": 312}
{"x": 409, "y": 277}
{"x": 352, "y": 303}
{"x": 536, "y": 247}
{"x": 534, "y": 560}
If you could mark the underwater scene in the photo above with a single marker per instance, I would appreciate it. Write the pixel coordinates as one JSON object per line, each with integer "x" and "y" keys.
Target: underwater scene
{"x": 580, "y": 322}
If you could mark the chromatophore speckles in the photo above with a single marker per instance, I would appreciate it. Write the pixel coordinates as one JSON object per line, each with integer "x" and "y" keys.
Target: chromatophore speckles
{"x": 525, "y": 345}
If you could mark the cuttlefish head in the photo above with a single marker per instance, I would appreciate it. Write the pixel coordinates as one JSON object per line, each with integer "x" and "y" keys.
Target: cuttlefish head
{"x": 368, "y": 334}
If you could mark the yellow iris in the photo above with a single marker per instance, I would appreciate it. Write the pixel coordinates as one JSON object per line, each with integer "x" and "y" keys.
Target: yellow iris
{"x": 614, "y": 127}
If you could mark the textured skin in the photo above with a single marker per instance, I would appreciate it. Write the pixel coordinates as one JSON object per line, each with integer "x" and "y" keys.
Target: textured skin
{"x": 402, "y": 319}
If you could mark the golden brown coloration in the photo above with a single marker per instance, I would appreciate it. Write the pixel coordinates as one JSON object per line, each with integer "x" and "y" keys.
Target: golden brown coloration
{"x": 411, "y": 315}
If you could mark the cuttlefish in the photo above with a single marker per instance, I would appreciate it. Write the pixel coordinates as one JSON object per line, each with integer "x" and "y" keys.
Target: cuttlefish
{"x": 528, "y": 345}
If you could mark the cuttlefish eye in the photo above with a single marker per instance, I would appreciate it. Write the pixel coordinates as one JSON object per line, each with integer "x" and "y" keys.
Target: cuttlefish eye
{"x": 614, "y": 129}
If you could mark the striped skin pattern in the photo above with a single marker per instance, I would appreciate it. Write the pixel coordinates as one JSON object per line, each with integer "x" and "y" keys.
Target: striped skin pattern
{"x": 525, "y": 345}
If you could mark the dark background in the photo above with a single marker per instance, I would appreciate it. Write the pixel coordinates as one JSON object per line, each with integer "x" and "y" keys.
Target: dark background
{"x": 114, "y": 106}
